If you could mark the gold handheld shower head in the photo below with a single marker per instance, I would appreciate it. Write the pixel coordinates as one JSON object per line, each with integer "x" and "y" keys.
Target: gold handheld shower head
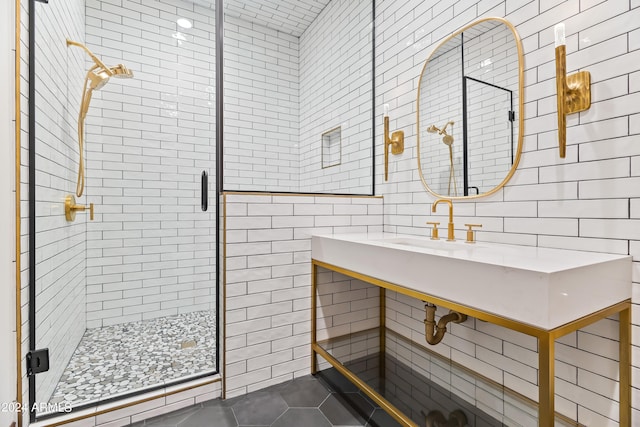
{"x": 99, "y": 74}
{"x": 96, "y": 78}
{"x": 99, "y": 77}
{"x": 121, "y": 71}
{"x": 448, "y": 141}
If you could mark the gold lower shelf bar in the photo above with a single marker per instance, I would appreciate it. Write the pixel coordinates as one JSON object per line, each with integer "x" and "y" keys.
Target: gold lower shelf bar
{"x": 374, "y": 395}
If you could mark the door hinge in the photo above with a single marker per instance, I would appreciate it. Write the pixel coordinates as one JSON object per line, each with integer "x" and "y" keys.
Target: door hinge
{"x": 37, "y": 361}
{"x": 512, "y": 116}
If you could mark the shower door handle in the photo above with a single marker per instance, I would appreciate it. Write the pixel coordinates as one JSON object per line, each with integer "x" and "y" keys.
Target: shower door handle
{"x": 204, "y": 191}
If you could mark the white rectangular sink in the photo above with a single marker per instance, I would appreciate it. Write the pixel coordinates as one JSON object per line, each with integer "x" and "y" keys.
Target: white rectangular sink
{"x": 542, "y": 287}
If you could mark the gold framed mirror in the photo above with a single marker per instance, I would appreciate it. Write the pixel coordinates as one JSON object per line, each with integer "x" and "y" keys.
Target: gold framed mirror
{"x": 469, "y": 111}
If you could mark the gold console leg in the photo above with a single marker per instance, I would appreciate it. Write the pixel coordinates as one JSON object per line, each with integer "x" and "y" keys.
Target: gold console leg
{"x": 383, "y": 339}
{"x": 625, "y": 367}
{"x": 546, "y": 374}
{"x": 314, "y": 361}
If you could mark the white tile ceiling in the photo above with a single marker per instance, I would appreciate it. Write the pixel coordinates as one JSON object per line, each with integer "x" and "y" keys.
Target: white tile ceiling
{"x": 289, "y": 16}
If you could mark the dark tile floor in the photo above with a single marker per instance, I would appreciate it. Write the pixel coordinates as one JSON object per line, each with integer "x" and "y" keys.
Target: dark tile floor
{"x": 326, "y": 400}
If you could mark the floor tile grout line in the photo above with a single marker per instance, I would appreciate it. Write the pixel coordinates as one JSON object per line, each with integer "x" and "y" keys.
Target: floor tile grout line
{"x": 278, "y": 391}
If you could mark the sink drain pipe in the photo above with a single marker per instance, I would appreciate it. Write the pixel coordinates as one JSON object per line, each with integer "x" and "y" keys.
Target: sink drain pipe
{"x": 434, "y": 332}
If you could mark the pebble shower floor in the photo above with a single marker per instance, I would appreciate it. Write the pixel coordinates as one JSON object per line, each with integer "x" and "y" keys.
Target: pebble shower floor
{"x": 118, "y": 359}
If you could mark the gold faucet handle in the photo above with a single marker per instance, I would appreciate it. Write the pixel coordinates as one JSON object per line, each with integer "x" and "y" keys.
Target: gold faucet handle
{"x": 471, "y": 233}
{"x": 70, "y": 209}
{"x": 434, "y": 230}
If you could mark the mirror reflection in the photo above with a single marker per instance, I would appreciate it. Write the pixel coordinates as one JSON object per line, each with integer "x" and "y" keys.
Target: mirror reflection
{"x": 469, "y": 130}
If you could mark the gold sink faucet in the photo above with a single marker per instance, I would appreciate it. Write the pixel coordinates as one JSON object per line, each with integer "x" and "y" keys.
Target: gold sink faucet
{"x": 450, "y": 236}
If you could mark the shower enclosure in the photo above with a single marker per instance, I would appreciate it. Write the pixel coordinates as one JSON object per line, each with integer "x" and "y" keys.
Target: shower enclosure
{"x": 125, "y": 295}
{"x": 125, "y": 301}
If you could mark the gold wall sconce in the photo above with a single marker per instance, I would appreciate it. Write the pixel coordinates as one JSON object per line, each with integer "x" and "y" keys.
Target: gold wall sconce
{"x": 396, "y": 141}
{"x": 573, "y": 92}
{"x": 70, "y": 208}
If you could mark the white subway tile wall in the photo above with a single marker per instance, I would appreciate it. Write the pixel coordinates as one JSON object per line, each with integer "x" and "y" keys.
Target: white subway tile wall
{"x": 60, "y": 245}
{"x": 151, "y": 249}
{"x": 345, "y": 305}
{"x": 284, "y": 90}
{"x": 268, "y": 281}
{"x": 582, "y": 202}
{"x": 289, "y": 16}
{"x": 336, "y": 90}
{"x": 261, "y": 107}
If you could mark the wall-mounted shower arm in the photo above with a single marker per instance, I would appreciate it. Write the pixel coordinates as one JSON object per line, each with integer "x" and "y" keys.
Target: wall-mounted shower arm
{"x": 95, "y": 59}
{"x": 436, "y": 129}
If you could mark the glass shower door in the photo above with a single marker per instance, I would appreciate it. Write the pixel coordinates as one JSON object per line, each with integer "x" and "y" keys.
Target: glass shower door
{"x": 126, "y": 301}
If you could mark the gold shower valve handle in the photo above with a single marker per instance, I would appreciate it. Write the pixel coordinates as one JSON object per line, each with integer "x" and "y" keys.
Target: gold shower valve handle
{"x": 70, "y": 208}
{"x": 434, "y": 230}
{"x": 471, "y": 232}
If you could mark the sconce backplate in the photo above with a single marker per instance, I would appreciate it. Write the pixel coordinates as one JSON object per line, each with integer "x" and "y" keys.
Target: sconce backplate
{"x": 579, "y": 92}
{"x": 397, "y": 142}
{"x": 69, "y": 213}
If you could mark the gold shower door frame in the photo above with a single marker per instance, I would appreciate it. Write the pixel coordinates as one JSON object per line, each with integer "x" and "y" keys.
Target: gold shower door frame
{"x": 546, "y": 345}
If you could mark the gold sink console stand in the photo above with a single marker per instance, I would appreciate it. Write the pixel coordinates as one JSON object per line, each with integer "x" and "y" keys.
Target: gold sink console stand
{"x": 546, "y": 344}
